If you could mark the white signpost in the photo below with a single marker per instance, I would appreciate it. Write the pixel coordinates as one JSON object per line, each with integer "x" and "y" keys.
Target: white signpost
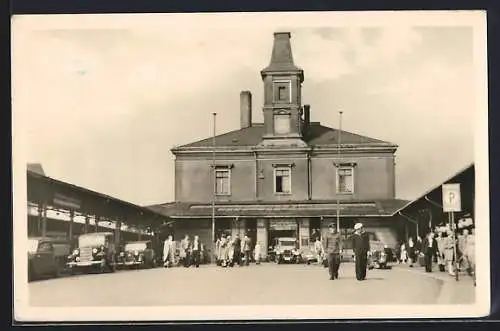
{"x": 452, "y": 203}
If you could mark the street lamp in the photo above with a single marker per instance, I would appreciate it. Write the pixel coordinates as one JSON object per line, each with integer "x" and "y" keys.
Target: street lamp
{"x": 214, "y": 191}
{"x": 338, "y": 168}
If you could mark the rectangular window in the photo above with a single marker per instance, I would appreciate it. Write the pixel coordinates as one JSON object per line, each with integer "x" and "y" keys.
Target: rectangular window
{"x": 345, "y": 180}
{"x": 281, "y": 124}
{"x": 222, "y": 182}
{"x": 281, "y": 91}
{"x": 282, "y": 181}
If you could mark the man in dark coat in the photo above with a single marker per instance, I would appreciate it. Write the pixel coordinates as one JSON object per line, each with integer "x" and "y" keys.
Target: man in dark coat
{"x": 237, "y": 251}
{"x": 430, "y": 250}
{"x": 361, "y": 246}
{"x": 333, "y": 247}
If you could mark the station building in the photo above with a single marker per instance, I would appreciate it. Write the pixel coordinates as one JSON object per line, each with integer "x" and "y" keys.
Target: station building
{"x": 286, "y": 177}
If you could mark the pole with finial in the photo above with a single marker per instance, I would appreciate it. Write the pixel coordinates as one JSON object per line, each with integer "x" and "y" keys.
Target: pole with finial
{"x": 214, "y": 191}
{"x": 338, "y": 169}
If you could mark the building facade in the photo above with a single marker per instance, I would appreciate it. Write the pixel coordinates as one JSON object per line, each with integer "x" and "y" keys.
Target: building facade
{"x": 286, "y": 177}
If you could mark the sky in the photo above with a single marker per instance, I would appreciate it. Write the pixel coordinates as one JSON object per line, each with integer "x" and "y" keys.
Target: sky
{"x": 100, "y": 100}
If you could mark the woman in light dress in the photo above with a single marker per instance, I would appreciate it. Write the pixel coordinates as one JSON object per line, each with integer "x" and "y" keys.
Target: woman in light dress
{"x": 403, "y": 254}
{"x": 257, "y": 252}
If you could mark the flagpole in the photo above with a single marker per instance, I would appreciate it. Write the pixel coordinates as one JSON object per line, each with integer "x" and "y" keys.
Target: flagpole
{"x": 213, "y": 178}
{"x": 338, "y": 170}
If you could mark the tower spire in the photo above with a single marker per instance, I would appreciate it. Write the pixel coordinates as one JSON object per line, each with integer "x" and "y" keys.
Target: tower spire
{"x": 282, "y": 57}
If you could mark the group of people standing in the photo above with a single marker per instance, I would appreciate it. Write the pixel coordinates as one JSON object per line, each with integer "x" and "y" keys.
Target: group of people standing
{"x": 190, "y": 251}
{"x": 334, "y": 245}
{"x": 439, "y": 246}
{"x": 231, "y": 251}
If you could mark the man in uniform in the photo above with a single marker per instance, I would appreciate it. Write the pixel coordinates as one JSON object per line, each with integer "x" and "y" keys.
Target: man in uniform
{"x": 361, "y": 246}
{"x": 333, "y": 247}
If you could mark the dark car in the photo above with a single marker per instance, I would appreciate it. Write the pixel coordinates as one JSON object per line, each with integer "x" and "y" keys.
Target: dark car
{"x": 46, "y": 257}
{"x": 137, "y": 254}
{"x": 308, "y": 256}
{"x": 94, "y": 251}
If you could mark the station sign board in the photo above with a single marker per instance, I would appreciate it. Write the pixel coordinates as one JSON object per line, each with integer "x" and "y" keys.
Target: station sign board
{"x": 451, "y": 198}
{"x": 283, "y": 224}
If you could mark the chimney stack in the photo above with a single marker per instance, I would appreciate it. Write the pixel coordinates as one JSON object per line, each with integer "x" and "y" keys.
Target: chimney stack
{"x": 245, "y": 109}
{"x": 307, "y": 120}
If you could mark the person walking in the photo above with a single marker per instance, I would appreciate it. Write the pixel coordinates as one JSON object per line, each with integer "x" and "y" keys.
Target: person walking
{"x": 236, "y": 251}
{"x": 257, "y": 252}
{"x": 462, "y": 243}
{"x": 184, "y": 251}
{"x": 333, "y": 247}
{"x": 430, "y": 250}
{"x": 229, "y": 250}
{"x": 196, "y": 249}
{"x": 318, "y": 249}
{"x": 223, "y": 252}
{"x": 440, "y": 253}
{"x": 449, "y": 246}
{"x": 411, "y": 252}
{"x": 246, "y": 245}
{"x": 361, "y": 246}
{"x": 470, "y": 254}
{"x": 168, "y": 252}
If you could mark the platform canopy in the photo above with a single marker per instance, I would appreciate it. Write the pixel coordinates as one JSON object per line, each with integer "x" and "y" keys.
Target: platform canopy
{"x": 59, "y": 194}
{"x": 426, "y": 211}
{"x": 379, "y": 208}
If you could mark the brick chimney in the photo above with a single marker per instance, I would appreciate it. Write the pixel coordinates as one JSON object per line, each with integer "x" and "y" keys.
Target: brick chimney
{"x": 245, "y": 109}
{"x": 307, "y": 120}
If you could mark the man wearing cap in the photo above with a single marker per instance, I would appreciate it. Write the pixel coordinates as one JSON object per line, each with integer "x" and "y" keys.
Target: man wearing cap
{"x": 361, "y": 246}
{"x": 333, "y": 247}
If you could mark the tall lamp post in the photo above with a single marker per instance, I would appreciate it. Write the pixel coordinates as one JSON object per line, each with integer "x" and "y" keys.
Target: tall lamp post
{"x": 338, "y": 169}
{"x": 214, "y": 191}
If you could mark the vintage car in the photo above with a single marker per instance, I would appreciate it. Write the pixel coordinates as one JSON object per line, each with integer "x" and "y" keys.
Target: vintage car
{"x": 138, "y": 254}
{"x": 46, "y": 257}
{"x": 94, "y": 251}
{"x": 308, "y": 255}
{"x": 377, "y": 256}
{"x": 286, "y": 251}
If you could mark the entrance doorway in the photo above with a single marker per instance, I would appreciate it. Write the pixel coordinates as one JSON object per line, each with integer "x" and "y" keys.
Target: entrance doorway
{"x": 282, "y": 229}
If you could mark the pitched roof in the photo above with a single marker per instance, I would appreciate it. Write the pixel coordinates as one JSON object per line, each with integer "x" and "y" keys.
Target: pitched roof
{"x": 281, "y": 57}
{"x": 36, "y": 168}
{"x": 318, "y": 135}
{"x": 306, "y": 208}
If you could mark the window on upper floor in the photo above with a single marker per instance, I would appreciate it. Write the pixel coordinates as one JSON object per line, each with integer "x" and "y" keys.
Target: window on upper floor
{"x": 345, "y": 180}
{"x": 223, "y": 182}
{"x": 283, "y": 180}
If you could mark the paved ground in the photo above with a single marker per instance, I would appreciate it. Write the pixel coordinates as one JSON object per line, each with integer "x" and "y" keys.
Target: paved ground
{"x": 254, "y": 285}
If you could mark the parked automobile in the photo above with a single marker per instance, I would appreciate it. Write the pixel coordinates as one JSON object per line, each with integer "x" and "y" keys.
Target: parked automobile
{"x": 137, "y": 254}
{"x": 94, "y": 251}
{"x": 377, "y": 257}
{"x": 286, "y": 250}
{"x": 308, "y": 256}
{"x": 46, "y": 257}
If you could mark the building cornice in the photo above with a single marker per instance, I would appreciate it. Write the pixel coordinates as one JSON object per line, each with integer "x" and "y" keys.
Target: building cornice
{"x": 344, "y": 149}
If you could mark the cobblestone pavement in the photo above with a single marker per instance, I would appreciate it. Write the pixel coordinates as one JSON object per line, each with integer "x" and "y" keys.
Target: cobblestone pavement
{"x": 265, "y": 284}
